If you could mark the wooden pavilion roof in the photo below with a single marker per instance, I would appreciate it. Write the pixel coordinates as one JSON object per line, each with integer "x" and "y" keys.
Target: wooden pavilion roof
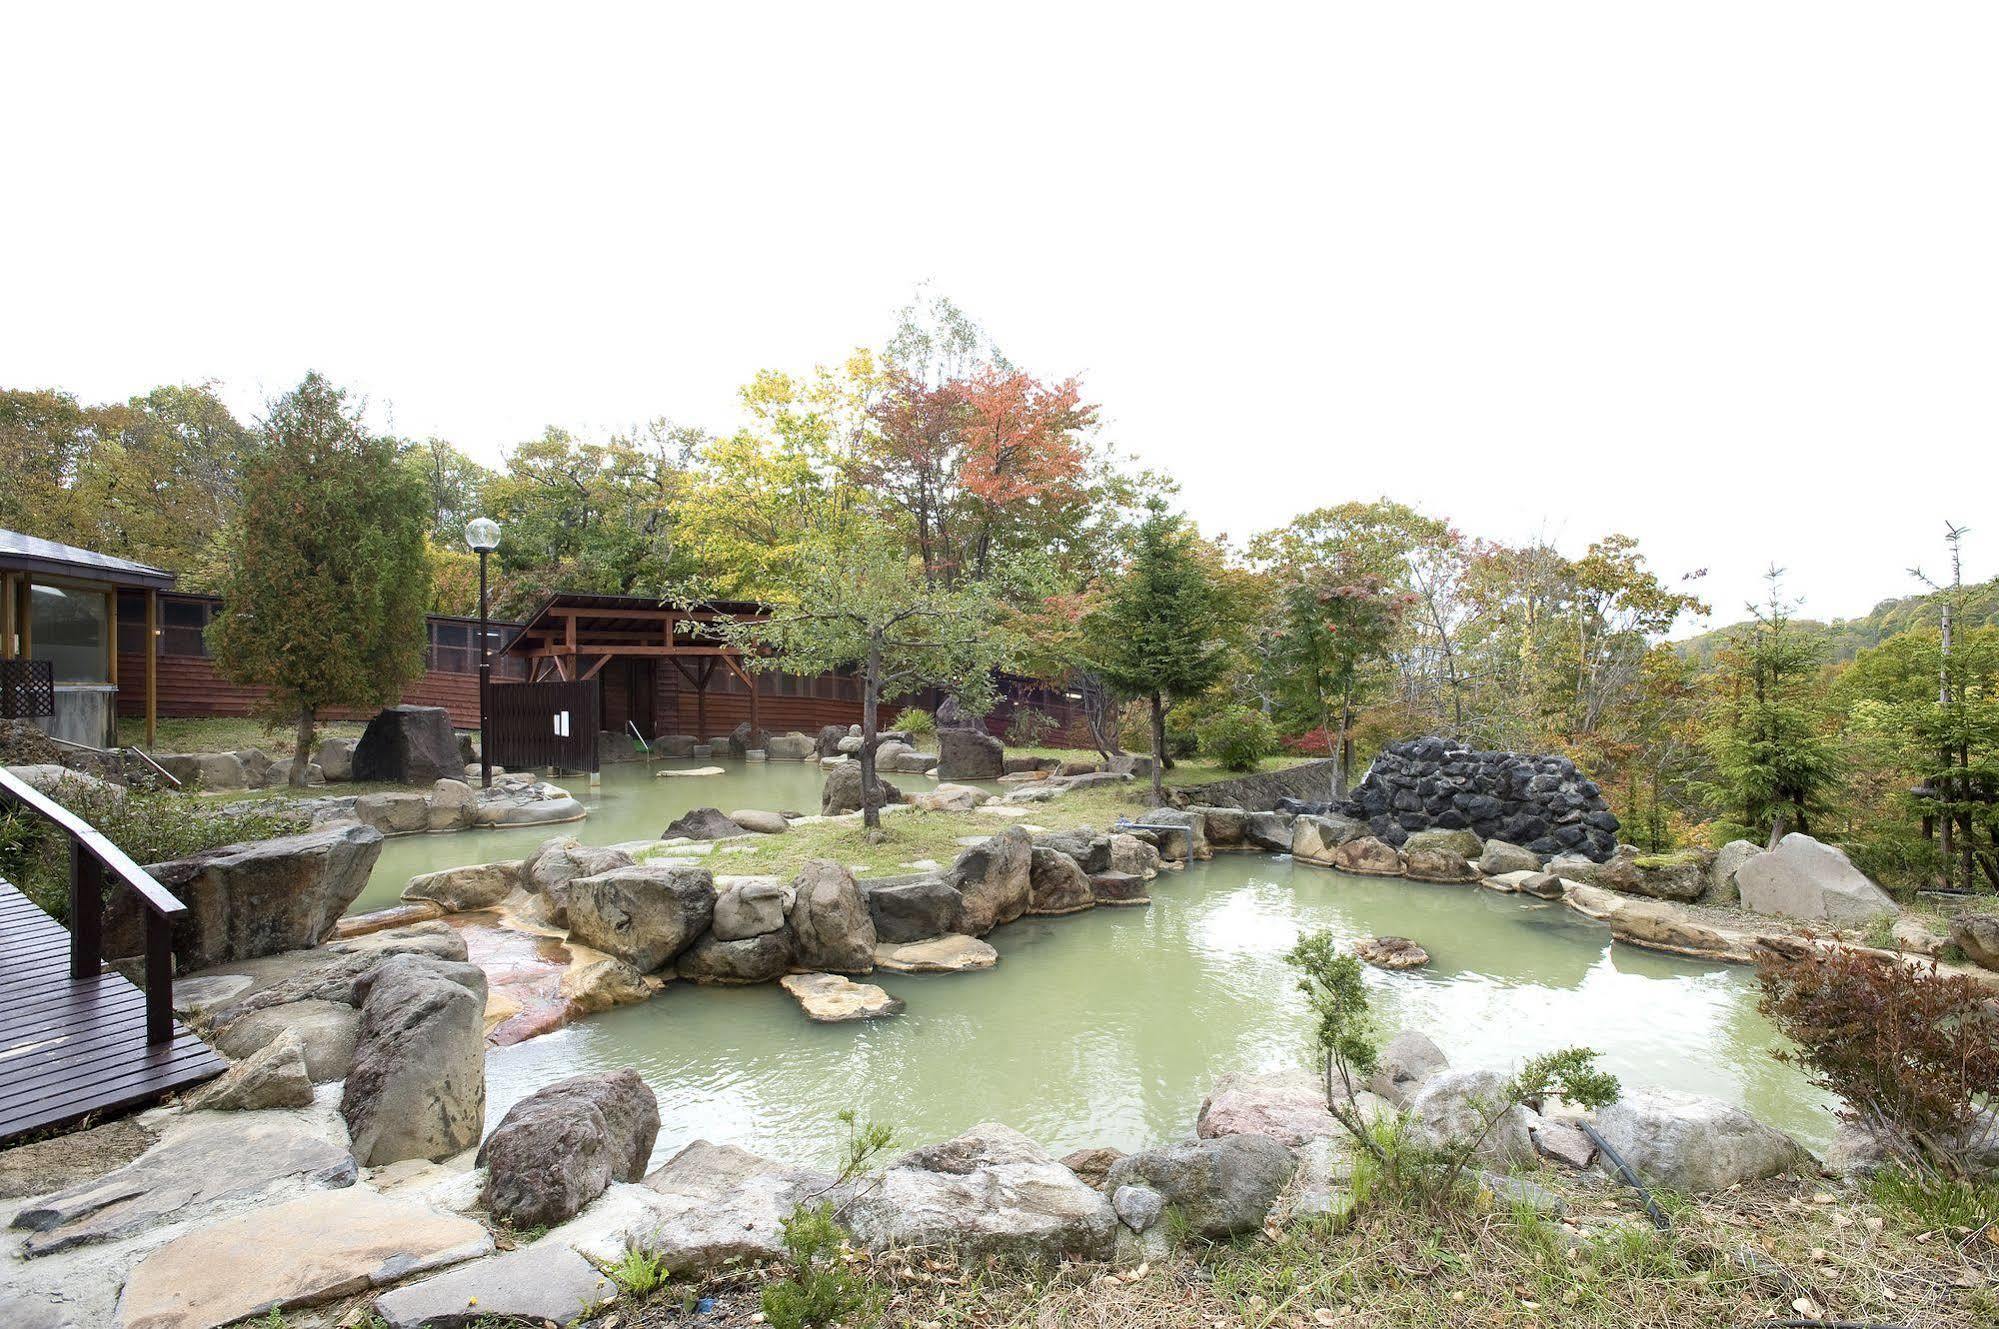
{"x": 576, "y": 635}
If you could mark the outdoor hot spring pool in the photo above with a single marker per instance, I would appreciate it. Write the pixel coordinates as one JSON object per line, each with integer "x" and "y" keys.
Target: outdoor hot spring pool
{"x": 1107, "y": 1027}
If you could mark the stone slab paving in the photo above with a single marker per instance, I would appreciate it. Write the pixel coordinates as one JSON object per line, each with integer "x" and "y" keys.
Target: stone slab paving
{"x": 200, "y": 1163}
{"x": 544, "y": 1282}
{"x": 299, "y": 1253}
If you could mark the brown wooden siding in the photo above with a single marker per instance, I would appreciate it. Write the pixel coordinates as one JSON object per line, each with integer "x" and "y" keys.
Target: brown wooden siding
{"x": 190, "y": 686}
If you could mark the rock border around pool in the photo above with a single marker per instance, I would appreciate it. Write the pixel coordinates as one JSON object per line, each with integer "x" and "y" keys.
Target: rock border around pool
{"x": 229, "y": 1214}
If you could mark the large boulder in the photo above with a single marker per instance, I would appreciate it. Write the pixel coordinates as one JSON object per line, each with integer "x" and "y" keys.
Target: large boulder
{"x": 827, "y": 744}
{"x": 558, "y": 1149}
{"x": 274, "y": 1076}
{"x": 830, "y": 920}
{"x": 646, "y": 914}
{"x": 1131, "y": 855}
{"x": 418, "y": 1084}
{"x": 1288, "y": 1106}
{"x": 720, "y": 1204}
{"x": 1686, "y": 1142}
{"x": 1977, "y": 935}
{"x": 548, "y": 871}
{"x": 394, "y": 813}
{"x": 702, "y": 824}
{"x": 1410, "y": 1058}
{"x": 1269, "y": 830}
{"x": 1434, "y": 863}
{"x": 474, "y": 886}
{"x": 1367, "y": 857}
{"x": 1722, "y": 886}
{"x": 749, "y": 907}
{"x": 1314, "y": 838}
{"x": 1451, "y": 1108}
{"x": 1500, "y": 857}
{"x": 335, "y": 757}
{"x": 913, "y": 910}
{"x": 759, "y": 959}
{"x": 967, "y": 754}
{"x": 408, "y": 745}
{"x": 842, "y": 792}
{"x": 1193, "y": 823}
{"x": 989, "y": 1192}
{"x": 993, "y": 880}
{"x": 326, "y": 1032}
{"x": 951, "y": 798}
{"x": 451, "y": 806}
{"x": 1805, "y": 878}
{"x": 249, "y": 900}
{"x": 1465, "y": 844}
{"x": 1218, "y": 1187}
{"x": 1057, "y": 884}
{"x": 793, "y": 746}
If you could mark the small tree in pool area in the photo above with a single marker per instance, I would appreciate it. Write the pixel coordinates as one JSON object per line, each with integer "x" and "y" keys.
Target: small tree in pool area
{"x": 324, "y": 599}
{"x": 1160, "y": 634}
{"x": 1348, "y": 1043}
{"x": 856, "y": 600}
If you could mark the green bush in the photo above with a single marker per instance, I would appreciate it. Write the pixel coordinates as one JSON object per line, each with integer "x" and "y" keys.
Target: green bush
{"x": 151, "y": 827}
{"x": 916, "y": 722}
{"x": 1029, "y": 728}
{"x": 1239, "y": 738}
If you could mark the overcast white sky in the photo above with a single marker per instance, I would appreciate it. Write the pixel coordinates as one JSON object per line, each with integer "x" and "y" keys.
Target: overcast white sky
{"x": 1719, "y": 275}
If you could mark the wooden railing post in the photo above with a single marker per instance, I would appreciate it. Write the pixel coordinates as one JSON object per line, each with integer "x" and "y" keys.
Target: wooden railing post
{"x": 86, "y": 912}
{"x": 159, "y": 979}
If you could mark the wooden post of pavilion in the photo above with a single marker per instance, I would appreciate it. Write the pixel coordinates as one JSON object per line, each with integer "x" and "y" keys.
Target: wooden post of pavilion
{"x": 152, "y": 668}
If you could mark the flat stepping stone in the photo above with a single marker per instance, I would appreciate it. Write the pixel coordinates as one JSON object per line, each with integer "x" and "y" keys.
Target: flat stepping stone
{"x": 544, "y": 1283}
{"x": 953, "y": 953}
{"x": 1391, "y": 952}
{"x": 831, "y": 999}
{"x": 690, "y": 773}
{"x": 296, "y": 1254}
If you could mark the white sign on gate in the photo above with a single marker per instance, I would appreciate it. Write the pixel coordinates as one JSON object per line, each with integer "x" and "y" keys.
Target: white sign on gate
{"x": 562, "y": 724}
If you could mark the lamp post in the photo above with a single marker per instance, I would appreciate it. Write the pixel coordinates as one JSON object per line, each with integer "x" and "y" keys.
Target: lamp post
{"x": 482, "y": 535}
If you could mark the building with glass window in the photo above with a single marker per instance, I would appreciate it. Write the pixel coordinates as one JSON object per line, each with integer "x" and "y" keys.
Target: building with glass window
{"x": 59, "y": 639}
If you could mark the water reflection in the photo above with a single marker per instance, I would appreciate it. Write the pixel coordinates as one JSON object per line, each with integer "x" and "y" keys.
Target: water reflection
{"x": 1107, "y": 1027}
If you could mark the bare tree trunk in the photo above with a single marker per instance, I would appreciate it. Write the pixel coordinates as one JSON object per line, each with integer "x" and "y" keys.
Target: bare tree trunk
{"x": 871, "y": 790}
{"x": 302, "y": 747}
{"x": 1342, "y": 778}
{"x": 1158, "y": 750}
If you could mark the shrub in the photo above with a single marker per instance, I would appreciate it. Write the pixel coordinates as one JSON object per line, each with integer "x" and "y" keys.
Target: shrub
{"x": 1239, "y": 738}
{"x": 1029, "y": 728}
{"x": 152, "y": 827}
{"x": 1347, "y": 1039}
{"x": 1910, "y": 1051}
{"x": 819, "y": 1290}
{"x": 917, "y": 722}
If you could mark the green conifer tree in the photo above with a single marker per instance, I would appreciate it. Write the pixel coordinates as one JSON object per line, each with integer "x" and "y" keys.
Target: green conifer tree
{"x": 327, "y": 584}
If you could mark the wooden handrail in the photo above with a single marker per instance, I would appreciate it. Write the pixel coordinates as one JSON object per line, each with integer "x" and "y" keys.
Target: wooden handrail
{"x": 155, "y": 896}
{"x": 91, "y": 855}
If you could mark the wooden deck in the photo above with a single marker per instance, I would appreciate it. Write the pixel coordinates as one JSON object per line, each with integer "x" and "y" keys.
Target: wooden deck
{"x": 70, "y": 1046}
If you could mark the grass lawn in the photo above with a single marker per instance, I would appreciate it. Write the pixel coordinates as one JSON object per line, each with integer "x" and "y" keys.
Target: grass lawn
{"x": 1185, "y": 771}
{"x": 911, "y": 835}
{"x": 226, "y": 733}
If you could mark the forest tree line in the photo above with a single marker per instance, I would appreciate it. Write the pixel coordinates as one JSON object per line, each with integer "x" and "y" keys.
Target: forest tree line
{"x": 977, "y": 493}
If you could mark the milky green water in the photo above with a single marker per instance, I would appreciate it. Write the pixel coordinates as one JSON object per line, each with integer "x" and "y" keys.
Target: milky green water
{"x": 632, "y": 803}
{"x": 1107, "y": 1027}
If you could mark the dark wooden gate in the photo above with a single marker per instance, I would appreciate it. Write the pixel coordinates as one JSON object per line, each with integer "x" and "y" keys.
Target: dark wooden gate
{"x": 544, "y": 724}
